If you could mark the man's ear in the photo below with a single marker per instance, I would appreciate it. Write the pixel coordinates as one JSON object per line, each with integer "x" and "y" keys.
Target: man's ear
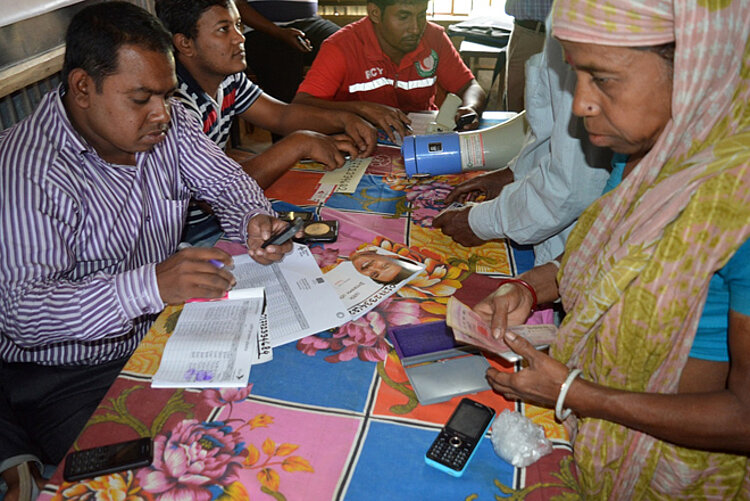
{"x": 183, "y": 45}
{"x": 374, "y": 13}
{"x": 81, "y": 86}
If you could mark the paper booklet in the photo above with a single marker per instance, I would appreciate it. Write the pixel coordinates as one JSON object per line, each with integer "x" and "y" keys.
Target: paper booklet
{"x": 358, "y": 291}
{"x": 468, "y": 327}
{"x": 213, "y": 344}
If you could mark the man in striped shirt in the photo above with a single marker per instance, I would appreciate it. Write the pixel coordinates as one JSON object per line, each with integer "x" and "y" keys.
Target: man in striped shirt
{"x": 388, "y": 64}
{"x": 93, "y": 193}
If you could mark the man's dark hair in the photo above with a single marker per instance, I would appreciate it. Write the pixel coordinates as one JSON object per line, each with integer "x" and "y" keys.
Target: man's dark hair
{"x": 382, "y": 4}
{"x": 181, "y": 16}
{"x": 97, "y": 32}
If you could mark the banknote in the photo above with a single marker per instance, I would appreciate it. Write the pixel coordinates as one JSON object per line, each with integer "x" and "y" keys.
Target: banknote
{"x": 468, "y": 327}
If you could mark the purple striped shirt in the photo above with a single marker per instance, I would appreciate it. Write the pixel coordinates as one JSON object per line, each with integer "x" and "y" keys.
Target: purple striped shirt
{"x": 80, "y": 238}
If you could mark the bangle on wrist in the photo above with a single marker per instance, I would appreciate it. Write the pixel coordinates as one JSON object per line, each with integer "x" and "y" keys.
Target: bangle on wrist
{"x": 525, "y": 284}
{"x": 561, "y": 414}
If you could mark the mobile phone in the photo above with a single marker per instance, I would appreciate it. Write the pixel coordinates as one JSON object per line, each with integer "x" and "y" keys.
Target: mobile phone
{"x": 285, "y": 234}
{"x": 465, "y": 120}
{"x": 290, "y": 216}
{"x": 108, "y": 459}
{"x": 457, "y": 442}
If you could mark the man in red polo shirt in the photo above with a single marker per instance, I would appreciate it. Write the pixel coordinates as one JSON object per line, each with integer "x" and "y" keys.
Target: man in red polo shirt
{"x": 388, "y": 64}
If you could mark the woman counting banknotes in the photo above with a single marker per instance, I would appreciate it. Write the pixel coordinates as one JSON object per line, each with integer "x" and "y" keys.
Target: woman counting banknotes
{"x": 650, "y": 368}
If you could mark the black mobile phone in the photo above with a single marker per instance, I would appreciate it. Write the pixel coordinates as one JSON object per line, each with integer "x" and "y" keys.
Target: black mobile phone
{"x": 290, "y": 216}
{"x": 457, "y": 442}
{"x": 98, "y": 461}
{"x": 285, "y": 234}
{"x": 465, "y": 120}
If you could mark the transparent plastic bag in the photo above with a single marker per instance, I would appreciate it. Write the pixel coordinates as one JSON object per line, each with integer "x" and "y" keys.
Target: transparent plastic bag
{"x": 517, "y": 440}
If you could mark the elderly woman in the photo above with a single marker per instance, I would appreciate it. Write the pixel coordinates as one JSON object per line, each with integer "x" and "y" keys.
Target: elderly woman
{"x": 655, "y": 279}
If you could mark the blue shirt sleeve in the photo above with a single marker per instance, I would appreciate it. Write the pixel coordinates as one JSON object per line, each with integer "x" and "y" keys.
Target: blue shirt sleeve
{"x": 737, "y": 275}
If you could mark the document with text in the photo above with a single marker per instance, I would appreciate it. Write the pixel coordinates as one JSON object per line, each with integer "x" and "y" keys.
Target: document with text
{"x": 300, "y": 302}
{"x": 213, "y": 345}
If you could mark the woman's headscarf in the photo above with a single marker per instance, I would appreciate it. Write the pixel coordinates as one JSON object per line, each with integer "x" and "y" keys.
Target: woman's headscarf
{"x": 637, "y": 266}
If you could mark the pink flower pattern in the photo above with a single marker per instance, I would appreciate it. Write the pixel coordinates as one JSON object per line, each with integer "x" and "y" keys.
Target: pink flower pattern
{"x": 191, "y": 458}
{"x": 224, "y": 396}
{"x": 364, "y": 338}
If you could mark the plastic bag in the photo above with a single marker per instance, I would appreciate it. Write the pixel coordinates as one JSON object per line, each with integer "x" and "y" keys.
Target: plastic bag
{"x": 517, "y": 440}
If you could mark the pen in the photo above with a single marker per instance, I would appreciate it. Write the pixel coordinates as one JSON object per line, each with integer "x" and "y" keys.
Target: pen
{"x": 186, "y": 245}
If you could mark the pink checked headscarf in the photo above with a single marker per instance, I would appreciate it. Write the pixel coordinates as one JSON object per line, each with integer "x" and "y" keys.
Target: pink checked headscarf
{"x": 636, "y": 268}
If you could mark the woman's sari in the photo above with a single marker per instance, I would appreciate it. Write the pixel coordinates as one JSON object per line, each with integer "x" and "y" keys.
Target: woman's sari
{"x": 637, "y": 266}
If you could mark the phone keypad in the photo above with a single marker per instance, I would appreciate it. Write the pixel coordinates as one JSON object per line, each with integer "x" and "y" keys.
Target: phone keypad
{"x": 450, "y": 450}
{"x": 88, "y": 460}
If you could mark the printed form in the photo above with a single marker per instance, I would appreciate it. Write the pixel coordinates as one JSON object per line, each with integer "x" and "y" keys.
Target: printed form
{"x": 213, "y": 345}
{"x": 300, "y": 302}
{"x": 215, "y": 342}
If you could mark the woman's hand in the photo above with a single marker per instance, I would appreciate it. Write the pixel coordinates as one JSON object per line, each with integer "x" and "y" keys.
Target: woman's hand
{"x": 510, "y": 304}
{"x": 539, "y": 383}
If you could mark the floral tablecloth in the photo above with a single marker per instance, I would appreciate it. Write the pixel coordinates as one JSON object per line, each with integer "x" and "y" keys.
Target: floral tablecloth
{"x": 332, "y": 416}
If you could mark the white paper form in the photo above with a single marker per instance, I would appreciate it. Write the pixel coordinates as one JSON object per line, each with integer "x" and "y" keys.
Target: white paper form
{"x": 300, "y": 302}
{"x": 213, "y": 344}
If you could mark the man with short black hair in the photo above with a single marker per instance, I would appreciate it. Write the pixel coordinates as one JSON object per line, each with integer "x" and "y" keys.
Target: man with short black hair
{"x": 95, "y": 186}
{"x": 388, "y": 64}
{"x": 210, "y": 60}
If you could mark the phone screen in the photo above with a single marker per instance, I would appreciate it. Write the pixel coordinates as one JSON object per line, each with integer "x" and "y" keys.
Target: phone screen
{"x": 470, "y": 421}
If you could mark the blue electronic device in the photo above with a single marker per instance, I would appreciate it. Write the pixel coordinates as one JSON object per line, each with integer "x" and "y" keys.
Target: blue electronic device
{"x": 457, "y": 442}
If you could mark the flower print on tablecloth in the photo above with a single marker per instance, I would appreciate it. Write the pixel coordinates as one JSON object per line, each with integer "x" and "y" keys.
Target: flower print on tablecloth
{"x": 364, "y": 338}
{"x": 203, "y": 460}
{"x": 194, "y": 459}
{"x": 423, "y": 299}
{"x": 123, "y": 484}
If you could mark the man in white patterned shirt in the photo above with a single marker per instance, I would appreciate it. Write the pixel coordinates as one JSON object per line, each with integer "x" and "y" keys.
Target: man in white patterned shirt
{"x": 93, "y": 193}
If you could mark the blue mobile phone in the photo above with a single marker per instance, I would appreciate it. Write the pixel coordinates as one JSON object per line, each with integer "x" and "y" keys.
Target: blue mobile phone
{"x": 457, "y": 442}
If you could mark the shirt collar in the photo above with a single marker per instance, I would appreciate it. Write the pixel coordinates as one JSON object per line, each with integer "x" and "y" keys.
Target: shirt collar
{"x": 75, "y": 141}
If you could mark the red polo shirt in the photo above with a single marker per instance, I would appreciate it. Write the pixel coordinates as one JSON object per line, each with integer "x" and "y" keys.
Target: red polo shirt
{"x": 351, "y": 66}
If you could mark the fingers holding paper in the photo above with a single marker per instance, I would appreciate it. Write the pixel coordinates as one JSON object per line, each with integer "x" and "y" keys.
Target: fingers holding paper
{"x": 538, "y": 383}
{"x": 509, "y": 305}
{"x": 195, "y": 272}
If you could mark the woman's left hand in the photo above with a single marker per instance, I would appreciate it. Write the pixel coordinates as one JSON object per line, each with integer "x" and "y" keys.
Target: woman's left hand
{"x": 538, "y": 383}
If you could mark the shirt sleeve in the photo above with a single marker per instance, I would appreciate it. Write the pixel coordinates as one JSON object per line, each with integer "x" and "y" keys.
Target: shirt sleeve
{"x": 452, "y": 72}
{"x": 43, "y": 302}
{"x": 327, "y": 73}
{"x": 737, "y": 275}
{"x": 557, "y": 174}
{"x": 215, "y": 178}
{"x": 247, "y": 93}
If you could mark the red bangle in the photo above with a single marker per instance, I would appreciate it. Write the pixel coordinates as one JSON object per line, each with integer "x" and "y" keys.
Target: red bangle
{"x": 524, "y": 283}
